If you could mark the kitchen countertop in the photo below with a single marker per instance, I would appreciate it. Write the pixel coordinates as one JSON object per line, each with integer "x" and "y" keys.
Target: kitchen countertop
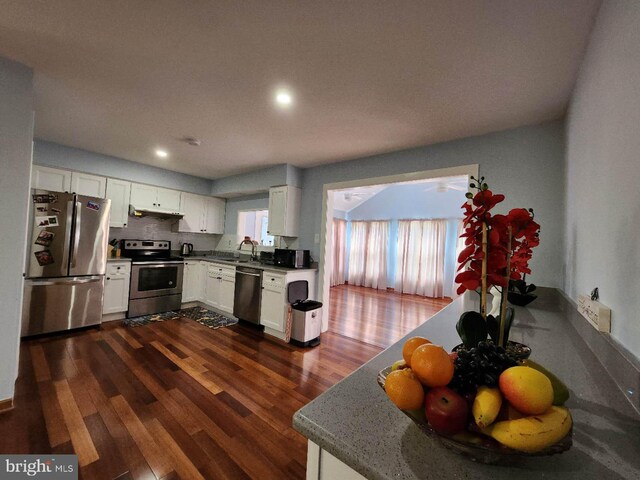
{"x": 118, "y": 259}
{"x": 355, "y": 422}
{"x": 257, "y": 265}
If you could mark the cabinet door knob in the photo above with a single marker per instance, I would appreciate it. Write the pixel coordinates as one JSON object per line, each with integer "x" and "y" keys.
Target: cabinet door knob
{"x": 108, "y": 278}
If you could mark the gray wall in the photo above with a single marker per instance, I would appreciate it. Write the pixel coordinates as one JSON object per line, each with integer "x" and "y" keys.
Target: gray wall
{"x": 526, "y": 164}
{"x": 16, "y": 135}
{"x": 603, "y": 171}
{"x": 55, "y": 155}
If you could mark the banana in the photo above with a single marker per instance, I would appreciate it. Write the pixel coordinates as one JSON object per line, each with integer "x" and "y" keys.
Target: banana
{"x": 486, "y": 406}
{"x": 532, "y": 434}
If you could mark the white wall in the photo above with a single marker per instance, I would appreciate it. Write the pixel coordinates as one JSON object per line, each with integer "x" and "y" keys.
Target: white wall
{"x": 603, "y": 171}
{"x": 16, "y": 135}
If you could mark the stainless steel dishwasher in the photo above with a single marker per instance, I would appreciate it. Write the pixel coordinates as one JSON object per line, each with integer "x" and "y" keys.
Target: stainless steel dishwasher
{"x": 247, "y": 295}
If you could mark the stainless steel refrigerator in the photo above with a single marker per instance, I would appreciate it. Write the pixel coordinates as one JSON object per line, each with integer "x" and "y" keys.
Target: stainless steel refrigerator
{"x": 66, "y": 263}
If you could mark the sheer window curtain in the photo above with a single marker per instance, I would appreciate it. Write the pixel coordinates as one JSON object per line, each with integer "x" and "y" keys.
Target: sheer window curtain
{"x": 368, "y": 251}
{"x": 339, "y": 251}
{"x": 421, "y": 257}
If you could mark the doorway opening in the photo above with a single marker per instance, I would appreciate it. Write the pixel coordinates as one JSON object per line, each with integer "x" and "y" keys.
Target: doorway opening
{"x": 390, "y": 251}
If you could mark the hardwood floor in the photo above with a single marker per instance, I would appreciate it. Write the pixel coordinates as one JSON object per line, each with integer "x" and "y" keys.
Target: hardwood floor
{"x": 175, "y": 399}
{"x": 378, "y": 317}
{"x": 172, "y": 400}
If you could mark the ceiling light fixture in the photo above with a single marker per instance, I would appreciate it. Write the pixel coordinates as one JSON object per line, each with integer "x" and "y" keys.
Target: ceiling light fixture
{"x": 161, "y": 153}
{"x": 284, "y": 98}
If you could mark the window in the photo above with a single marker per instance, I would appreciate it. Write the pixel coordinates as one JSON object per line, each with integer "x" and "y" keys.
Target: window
{"x": 253, "y": 224}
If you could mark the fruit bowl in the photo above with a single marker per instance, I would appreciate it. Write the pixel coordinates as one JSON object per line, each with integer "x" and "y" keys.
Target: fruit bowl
{"x": 479, "y": 448}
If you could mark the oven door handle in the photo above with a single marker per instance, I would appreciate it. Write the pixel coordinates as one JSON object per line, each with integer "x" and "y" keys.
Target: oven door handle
{"x": 159, "y": 266}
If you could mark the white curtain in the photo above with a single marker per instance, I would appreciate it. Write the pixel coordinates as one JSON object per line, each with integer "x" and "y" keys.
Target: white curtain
{"x": 339, "y": 251}
{"x": 421, "y": 257}
{"x": 368, "y": 251}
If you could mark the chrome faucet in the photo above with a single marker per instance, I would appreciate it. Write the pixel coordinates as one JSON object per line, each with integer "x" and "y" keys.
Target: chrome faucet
{"x": 253, "y": 246}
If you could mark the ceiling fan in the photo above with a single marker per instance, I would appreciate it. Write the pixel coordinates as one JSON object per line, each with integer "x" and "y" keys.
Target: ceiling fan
{"x": 348, "y": 196}
{"x": 443, "y": 186}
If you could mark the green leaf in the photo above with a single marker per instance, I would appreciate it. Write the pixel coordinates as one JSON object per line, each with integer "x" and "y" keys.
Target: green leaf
{"x": 472, "y": 329}
{"x": 493, "y": 326}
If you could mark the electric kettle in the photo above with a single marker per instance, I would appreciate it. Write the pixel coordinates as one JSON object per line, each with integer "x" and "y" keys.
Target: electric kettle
{"x": 186, "y": 249}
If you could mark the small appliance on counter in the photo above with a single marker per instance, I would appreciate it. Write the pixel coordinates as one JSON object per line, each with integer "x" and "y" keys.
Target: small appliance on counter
{"x": 186, "y": 249}
{"x": 67, "y": 262}
{"x": 306, "y": 321}
{"x": 266, "y": 258}
{"x": 286, "y": 258}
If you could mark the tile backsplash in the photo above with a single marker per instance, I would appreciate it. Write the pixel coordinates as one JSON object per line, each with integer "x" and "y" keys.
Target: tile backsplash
{"x": 152, "y": 228}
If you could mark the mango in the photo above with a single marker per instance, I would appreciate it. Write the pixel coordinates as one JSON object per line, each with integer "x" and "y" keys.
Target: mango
{"x": 560, "y": 390}
{"x": 527, "y": 390}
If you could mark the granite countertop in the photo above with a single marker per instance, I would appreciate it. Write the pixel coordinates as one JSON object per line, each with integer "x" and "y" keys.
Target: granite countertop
{"x": 118, "y": 259}
{"x": 355, "y": 422}
{"x": 257, "y": 265}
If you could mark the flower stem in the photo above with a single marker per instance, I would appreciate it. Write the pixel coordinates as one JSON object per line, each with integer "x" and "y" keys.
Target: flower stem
{"x": 503, "y": 307}
{"x": 483, "y": 295}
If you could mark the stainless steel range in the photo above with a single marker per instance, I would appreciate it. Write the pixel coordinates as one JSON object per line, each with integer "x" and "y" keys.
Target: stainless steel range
{"x": 156, "y": 277}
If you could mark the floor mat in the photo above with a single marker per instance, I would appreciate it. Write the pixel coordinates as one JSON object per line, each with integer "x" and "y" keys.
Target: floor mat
{"x": 201, "y": 315}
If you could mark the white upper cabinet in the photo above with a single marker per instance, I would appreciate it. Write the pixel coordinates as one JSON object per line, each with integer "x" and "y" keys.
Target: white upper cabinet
{"x": 201, "y": 214}
{"x": 193, "y": 208}
{"x": 168, "y": 199}
{"x": 53, "y": 179}
{"x": 119, "y": 192}
{"x": 144, "y": 195}
{"x": 214, "y": 215}
{"x": 86, "y": 184}
{"x": 147, "y": 196}
{"x": 284, "y": 211}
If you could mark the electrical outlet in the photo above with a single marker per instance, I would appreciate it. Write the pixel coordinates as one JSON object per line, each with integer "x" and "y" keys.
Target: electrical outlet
{"x": 316, "y": 239}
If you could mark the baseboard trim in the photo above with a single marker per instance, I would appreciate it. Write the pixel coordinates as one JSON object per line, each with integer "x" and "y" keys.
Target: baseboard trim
{"x": 6, "y": 405}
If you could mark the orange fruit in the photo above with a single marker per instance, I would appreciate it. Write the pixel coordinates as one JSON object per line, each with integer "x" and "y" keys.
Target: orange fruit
{"x": 404, "y": 389}
{"x": 410, "y": 345}
{"x": 432, "y": 365}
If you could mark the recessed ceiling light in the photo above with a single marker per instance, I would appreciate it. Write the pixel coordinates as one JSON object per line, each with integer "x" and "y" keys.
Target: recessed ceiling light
{"x": 162, "y": 153}
{"x": 284, "y": 98}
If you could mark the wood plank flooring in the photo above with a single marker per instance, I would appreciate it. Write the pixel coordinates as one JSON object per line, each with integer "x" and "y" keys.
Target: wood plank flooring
{"x": 172, "y": 400}
{"x": 178, "y": 400}
{"x": 378, "y": 317}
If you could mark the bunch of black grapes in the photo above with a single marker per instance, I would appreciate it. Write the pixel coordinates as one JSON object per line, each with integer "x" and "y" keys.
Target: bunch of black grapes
{"x": 481, "y": 365}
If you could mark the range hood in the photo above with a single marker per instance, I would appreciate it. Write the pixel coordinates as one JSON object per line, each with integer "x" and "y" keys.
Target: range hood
{"x": 142, "y": 211}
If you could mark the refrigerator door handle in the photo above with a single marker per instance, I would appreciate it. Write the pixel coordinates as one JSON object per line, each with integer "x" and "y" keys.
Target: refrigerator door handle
{"x": 76, "y": 235}
{"x": 65, "y": 281}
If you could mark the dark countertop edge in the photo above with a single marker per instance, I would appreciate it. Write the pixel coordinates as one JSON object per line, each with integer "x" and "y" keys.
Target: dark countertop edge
{"x": 118, "y": 259}
{"x": 258, "y": 266}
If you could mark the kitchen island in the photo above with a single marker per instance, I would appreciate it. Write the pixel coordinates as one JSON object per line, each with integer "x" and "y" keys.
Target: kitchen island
{"x": 353, "y": 427}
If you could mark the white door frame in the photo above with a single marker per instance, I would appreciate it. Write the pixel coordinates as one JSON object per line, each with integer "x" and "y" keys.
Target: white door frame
{"x": 327, "y": 216}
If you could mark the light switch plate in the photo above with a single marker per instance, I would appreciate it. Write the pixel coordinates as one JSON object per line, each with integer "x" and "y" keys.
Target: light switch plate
{"x": 597, "y": 314}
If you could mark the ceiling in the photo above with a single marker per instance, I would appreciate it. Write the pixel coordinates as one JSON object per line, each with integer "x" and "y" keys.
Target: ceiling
{"x": 347, "y": 199}
{"x": 124, "y": 78}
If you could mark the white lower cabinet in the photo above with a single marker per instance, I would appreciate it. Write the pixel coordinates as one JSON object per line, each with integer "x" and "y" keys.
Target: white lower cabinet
{"x": 116, "y": 288}
{"x": 192, "y": 281}
{"x": 220, "y": 284}
{"x": 227, "y": 291}
{"x": 274, "y": 308}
